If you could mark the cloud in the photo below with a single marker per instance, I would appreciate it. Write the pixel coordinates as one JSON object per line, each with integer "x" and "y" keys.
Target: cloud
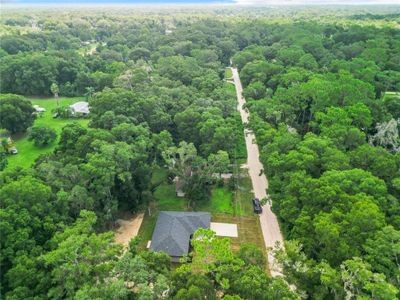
{"x": 313, "y": 2}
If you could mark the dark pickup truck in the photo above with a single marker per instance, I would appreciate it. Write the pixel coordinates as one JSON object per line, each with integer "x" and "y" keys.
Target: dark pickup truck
{"x": 257, "y": 206}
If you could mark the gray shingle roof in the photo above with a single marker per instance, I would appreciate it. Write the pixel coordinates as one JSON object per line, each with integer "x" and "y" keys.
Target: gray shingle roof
{"x": 173, "y": 231}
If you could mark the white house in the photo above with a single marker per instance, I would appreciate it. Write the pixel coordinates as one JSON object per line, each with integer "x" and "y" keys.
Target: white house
{"x": 39, "y": 109}
{"x": 80, "y": 107}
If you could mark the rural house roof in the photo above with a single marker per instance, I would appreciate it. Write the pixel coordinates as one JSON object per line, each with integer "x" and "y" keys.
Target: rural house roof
{"x": 174, "y": 229}
{"x": 80, "y": 107}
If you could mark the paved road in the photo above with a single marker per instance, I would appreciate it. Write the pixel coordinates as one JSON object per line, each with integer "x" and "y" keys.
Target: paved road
{"x": 269, "y": 223}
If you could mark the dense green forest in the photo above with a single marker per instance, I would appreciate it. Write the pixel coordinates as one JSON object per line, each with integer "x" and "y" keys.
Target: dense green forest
{"x": 323, "y": 89}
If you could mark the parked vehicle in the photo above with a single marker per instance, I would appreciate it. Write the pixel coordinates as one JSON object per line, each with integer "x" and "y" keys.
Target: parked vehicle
{"x": 14, "y": 150}
{"x": 257, "y": 206}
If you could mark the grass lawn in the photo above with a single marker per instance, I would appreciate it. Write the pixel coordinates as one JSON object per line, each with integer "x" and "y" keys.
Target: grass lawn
{"x": 240, "y": 149}
{"x": 243, "y": 194}
{"x": 220, "y": 202}
{"x": 249, "y": 229}
{"x": 228, "y": 73}
{"x": 27, "y": 152}
{"x": 146, "y": 229}
{"x": 87, "y": 49}
{"x": 165, "y": 198}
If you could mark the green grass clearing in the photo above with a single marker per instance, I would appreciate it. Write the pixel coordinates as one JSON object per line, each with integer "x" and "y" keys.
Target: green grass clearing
{"x": 243, "y": 194}
{"x": 165, "y": 198}
{"x": 146, "y": 229}
{"x": 228, "y": 73}
{"x": 240, "y": 149}
{"x": 88, "y": 49}
{"x": 249, "y": 229}
{"x": 27, "y": 152}
{"x": 220, "y": 202}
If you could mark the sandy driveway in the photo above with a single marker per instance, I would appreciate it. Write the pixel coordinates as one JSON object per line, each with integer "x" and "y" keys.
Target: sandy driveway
{"x": 128, "y": 229}
{"x": 269, "y": 223}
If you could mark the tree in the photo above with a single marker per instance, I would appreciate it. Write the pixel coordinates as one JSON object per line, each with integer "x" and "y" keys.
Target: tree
{"x": 3, "y": 158}
{"x": 308, "y": 61}
{"x": 80, "y": 257}
{"x": 89, "y": 93}
{"x": 359, "y": 281}
{"x": 180, "y": 160}
{"x": 375, "y": 159}
{"x": 69, "y": 137}
{"x": 387, "y": 135}
{"x": 255, "y": 90}
{"x": 41, "y": 135}
{"x": 353, "y": 279}
{"x": 147, "y": 273}
{"x": 110, "y": 289}
{"x": 195, "y": 286}
{"x": 251, "y": 283}
{"x": 218, "y": 163}
{"x": 251, "y": 255}
{"x": 197, "y": 189}
{"x": 337, "y": 125}
{"x": 348, "y": 231}
{"x": 29, "y": 217}
{"x": 131, "y": 79}
{"x": 181, "y": 68}
{"x": 55, "y": 90}
{"x": 392, "y": 105}
{"x": 161, "y": 141}
{"x": 383, "y": 253}
{"x": 16, "y": 113}
{"x": 209, "y": 253}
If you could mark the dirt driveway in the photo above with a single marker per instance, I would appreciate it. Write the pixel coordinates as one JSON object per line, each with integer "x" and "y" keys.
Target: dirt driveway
{"x": 128, "y": 229}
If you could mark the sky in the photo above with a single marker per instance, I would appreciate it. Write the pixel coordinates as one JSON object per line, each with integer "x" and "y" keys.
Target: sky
{"x": 233, "y": 2}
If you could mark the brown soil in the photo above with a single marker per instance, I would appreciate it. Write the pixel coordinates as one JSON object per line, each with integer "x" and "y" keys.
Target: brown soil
{"x": 128, "y": 229}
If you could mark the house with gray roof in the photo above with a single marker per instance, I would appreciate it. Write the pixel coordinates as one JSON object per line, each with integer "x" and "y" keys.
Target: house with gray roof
{"x": 174, "y": 230}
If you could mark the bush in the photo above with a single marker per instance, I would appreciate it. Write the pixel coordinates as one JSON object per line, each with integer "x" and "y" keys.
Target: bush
{"x": 41, "y": 135}
{"x": 232, "y": 183}
{"x": 220, "y": 182}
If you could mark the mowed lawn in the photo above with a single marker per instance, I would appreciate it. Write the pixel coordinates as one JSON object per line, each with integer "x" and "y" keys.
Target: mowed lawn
{"x": 27, "y": 152}
{"x": 220, "y": 202}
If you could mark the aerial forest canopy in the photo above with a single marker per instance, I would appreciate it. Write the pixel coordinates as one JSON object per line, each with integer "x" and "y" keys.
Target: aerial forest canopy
{"x": 323, "y": 90}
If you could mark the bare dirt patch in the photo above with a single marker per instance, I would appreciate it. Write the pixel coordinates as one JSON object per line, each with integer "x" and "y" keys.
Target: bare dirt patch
{"x": 128, "y": 229}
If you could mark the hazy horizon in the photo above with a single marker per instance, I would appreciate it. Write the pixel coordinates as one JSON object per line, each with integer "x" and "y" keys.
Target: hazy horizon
{"x": 203, "y": 2}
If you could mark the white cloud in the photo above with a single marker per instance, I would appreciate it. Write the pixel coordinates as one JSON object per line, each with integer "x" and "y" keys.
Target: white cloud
{"x": 311, "y": 2}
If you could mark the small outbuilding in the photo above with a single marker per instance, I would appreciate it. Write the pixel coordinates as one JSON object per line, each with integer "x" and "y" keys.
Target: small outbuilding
{"x": 174, "y": 231}
{"x": 179, "y": 187}
{"x": 80, "y": 108}
{"x": 39, "y": 109}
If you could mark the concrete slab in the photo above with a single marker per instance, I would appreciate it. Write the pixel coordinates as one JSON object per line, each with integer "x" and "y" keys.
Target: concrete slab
{"x": 224, "y": 229}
